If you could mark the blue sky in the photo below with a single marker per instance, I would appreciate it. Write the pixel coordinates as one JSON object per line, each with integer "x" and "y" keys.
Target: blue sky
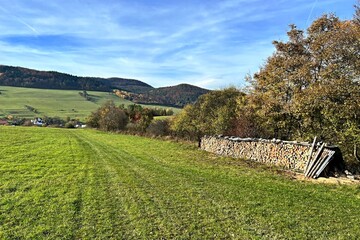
{"x": 209, "y": 43}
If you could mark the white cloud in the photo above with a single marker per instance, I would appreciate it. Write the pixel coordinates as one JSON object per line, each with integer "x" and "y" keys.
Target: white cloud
{"x": 213, "y": 44}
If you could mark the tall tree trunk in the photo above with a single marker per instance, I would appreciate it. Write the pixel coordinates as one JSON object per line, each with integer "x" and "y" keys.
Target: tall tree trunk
{"x": 356, "y": 153}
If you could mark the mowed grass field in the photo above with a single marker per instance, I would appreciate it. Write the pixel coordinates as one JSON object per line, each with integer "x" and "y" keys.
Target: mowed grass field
{"x": 86, "y": 184}
{"x": 61, "y": 103}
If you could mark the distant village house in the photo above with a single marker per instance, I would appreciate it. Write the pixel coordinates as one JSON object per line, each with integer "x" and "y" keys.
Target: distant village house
{"x": 38, "y": 122}
{"x": 3, "y": 122}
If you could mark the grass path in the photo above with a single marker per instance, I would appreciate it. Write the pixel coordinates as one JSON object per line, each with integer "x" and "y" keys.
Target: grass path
{"x": 84, "y": 184}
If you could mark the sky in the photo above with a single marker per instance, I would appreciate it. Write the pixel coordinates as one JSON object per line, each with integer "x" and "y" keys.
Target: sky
{"x": 209, "y": 43}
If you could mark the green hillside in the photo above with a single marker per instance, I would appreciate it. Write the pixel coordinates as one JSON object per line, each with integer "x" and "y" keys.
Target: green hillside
{"x": 85, "y": 184}
{"x": 135, "y": 90}
{"x": 61, "y": 103}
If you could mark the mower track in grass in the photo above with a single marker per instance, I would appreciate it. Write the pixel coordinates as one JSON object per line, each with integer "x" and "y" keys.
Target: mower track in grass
{"x": 86, "y": 184}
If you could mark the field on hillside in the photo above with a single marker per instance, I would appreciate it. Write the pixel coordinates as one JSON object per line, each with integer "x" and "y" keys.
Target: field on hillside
{"x": 86, "y": 184}
{"x": 61, "y": 103}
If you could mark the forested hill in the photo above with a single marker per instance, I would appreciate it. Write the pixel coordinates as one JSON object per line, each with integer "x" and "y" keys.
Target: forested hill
{"x": 24, "y": 77}
{"x": 135, "y": 90}
{"x": 177, "y": 96}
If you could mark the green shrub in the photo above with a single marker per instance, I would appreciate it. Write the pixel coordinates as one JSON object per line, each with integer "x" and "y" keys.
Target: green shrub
{"x": 159, "y": 128}
{"x": 69, "y": 125}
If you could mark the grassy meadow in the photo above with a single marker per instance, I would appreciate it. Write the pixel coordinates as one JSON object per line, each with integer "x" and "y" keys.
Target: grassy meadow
{"x": 86, "y": 184}
{"x": 61, "y": 103}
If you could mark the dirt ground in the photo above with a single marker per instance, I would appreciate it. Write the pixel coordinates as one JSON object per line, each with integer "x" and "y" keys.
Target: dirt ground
{"x": 327, "y": 180}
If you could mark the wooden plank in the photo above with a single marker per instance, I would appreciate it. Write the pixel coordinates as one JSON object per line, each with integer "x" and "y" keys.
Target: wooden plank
{"x": 326, "y": 162}
{"x": 317, "y": 165}
{"x": 313, "y": 161}
{"x": 310, "y": 154}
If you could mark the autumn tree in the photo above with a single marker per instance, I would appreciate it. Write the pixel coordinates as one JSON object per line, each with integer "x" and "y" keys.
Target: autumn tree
{"x": 357, "y": 13}
{"x": 185, "y": 123}
{"x": 213, "y": 113}
{"x": 108, "y": 118}
{"x": 247, "y": 122}
{"x": 278, "y": 81}
{"x": 139, "y": 117}
{"x": 310, "y": 85}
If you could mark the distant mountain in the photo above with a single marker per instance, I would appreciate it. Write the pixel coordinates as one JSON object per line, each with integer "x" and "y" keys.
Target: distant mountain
{"x": 24, "y": 77}
{"x": 131, "y": 89}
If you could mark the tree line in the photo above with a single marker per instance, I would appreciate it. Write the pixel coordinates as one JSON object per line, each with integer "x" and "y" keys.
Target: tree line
{"x": 310, "y": 86}
{"x": 133, "y": 118}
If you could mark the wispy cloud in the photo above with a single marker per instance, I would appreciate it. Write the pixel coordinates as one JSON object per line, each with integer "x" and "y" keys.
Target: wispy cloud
{"x": 18, "y": 19}
{"x": 212, "y": 44}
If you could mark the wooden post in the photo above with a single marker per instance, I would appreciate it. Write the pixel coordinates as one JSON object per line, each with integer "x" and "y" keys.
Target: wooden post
{"x": 356, "y": 153}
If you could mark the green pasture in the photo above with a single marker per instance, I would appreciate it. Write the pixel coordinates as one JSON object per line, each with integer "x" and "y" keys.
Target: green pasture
{"x": 61, "y": 103}
{"x": 86, "y": 184}
{"x": 163, "y": 117}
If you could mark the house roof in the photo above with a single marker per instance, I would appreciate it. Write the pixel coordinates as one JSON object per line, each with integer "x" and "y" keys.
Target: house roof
{"x": 3, "y": 121}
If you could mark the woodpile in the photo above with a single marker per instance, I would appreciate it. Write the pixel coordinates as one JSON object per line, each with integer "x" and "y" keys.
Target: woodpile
{"x": 310, "y": 159}
{"x": 318, "y": 162}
